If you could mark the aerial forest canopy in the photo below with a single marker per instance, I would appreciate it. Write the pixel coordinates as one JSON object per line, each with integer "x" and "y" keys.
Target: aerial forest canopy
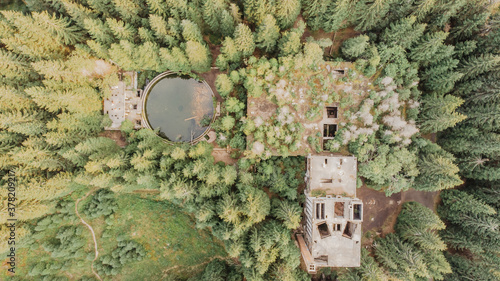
{"x": 419, "y": 106}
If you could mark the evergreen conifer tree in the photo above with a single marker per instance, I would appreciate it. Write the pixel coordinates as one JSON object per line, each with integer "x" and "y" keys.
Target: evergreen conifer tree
{"x": 157, "y": 7}
{"x": 146, "y": 35}
{"x": 147, "y": 56}
{"x": 438, "y": 113}
{"x": 161, "y": 30}
{"x": 369, "y": 270}
{"x": 130, "y": 10}
{"x": 423, "y": 51}
{"x": 287, "y": 12}
{"x": 98, "y": 49}
{"x": 224, "y": 85}
{"x": 255, "y": 204}
{"x": 470, "y": 269}
{"x": 287, "y": 211}
{"x": 467, "y": 140}
{"x": 267, "y": 34}
{"x": 104, "y": 7}
{"x": 212, "y": 14}
{"x": 479, "y": 65}
{"x": 60, "y": 28}
{"x": 243, "y": 39}
{"x": 180, "y": 60}
{"x": 199, "y": 56}
{"x": 290, "y": 43}
{"x": 230, "y": 50}
{"x": 98, "y": 30}
{"x": 227, "y": 122}
{"x": 480, "y": 168}
{"x": 436, "y": 169}
{"x": 336, "y": 13}
{"x": 355, "y": 47}
{"x": 33, "y": 35}
{"x": 15, "y": 67}
{"x": 77, "y": 12}
{"x": 256, "y": 10}
{"x": 403, "y": 33}
{"x": 191, "y": 31}
{"x": 123, "y": 55}
{"x": 122, "y": 30}
{"x": 371, "y": 13}
{"x": 227, "y": 23}
{"x": 485, "y": 116}
{"x": 313, "y": 13}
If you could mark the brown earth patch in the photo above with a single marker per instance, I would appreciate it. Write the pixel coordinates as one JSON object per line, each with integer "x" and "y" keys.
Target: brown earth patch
{"x": 428, "y": 199}
{"x": 339, "y": 209}
{"x": 339, "y": 37}
{"x": 378, "y": 208}
{"x": 380, "y": 212}
{"x": 210, "y": 77}
{"x": 115, "y": 135}
{"x": 432, "y": 137}
{"x": 224, "y": 155}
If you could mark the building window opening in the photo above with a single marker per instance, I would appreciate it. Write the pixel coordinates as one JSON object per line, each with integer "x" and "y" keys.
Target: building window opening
{"x": 357, "y": 211}
{"x": 320, "y": 211}
{"x": 349, "y": 230}
{"x": 332, "y": 111}
{"x": 329, "y": 130}
{"x": 323, "y": 230}
{"x": 337, "y": 227}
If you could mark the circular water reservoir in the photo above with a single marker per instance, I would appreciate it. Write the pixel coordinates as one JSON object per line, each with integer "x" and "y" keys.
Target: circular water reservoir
{"x": 179, "y": 106}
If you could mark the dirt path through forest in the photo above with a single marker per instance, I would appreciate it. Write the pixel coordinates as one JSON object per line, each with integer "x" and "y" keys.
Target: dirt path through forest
{"x": 91, "y": 230}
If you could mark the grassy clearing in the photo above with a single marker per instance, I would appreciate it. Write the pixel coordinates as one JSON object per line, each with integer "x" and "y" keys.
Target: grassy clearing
{"x": 167, "y": 233}
{"x": 175, "y": 247}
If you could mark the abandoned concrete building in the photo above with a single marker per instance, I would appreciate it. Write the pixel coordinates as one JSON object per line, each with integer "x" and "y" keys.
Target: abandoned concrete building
{"x": 124, "y": 102}
{"x": 333, "y": 215}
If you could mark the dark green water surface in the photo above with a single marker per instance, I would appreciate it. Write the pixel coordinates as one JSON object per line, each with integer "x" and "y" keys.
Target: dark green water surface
{"x": 177, "y": 105}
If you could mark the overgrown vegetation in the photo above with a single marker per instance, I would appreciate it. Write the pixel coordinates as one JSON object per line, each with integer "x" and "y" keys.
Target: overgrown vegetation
{"x": 126, "y": 252}
{"x": 102, "y": 204}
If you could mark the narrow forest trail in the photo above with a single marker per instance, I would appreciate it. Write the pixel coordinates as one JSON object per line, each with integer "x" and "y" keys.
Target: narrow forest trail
{"x": 91, "y": 230}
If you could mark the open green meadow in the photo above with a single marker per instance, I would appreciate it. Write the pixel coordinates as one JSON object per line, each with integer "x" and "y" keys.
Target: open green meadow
{"x": 174, "y": 247}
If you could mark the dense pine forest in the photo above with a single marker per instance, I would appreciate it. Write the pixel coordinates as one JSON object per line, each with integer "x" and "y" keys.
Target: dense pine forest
{"x": 428, "y": 120}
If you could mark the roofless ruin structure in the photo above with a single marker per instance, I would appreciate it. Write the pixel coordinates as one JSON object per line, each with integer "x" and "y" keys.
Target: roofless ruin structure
{"x": 333, "y": 215}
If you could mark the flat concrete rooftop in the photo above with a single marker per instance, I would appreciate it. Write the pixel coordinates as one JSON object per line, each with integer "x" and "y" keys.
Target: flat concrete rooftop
{"x": 335, "y": 175}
